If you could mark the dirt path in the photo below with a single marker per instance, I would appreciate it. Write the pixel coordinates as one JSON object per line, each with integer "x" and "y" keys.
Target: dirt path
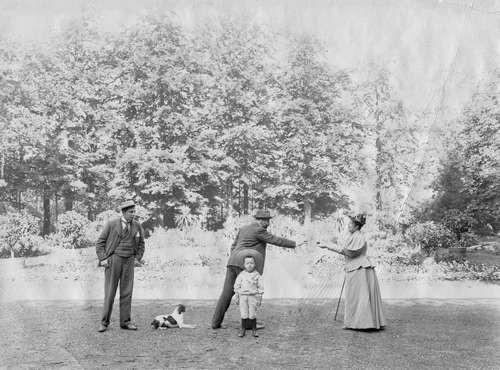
{"x": 299, "y": 334}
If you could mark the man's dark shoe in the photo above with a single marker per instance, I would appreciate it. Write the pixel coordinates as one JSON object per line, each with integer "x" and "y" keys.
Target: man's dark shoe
{"x": 215, "y": 327}
{"x": 128, "y": 327}
{"x": 102, "y": 328}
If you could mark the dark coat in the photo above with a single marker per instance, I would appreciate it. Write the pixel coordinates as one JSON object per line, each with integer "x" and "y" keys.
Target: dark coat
{"x": 252, "y": 240}
{"x": 111, "y": 235}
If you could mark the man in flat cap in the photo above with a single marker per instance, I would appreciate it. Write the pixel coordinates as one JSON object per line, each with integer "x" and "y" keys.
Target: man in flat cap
{"x": 250, "y": 241}
{"x": 119, "y": 247}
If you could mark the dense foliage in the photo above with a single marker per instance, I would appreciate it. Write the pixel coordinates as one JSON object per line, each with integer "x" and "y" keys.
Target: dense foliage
{"x": 198, "y": 125}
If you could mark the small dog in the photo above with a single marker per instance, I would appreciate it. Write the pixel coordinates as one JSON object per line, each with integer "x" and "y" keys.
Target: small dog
{"x": 174, "y": 320}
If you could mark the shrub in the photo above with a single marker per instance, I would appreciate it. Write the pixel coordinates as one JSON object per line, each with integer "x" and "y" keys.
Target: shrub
{"x": 430, "y": 236}
{"x": 32, "y": 246}
{"x": 454, "y": 270}
{"x": 394, "y": 250}
{"x": 17, "y": 230}
{"x": 458, "y": 222}
{"x": 466, "y": 240}
{"x": 185, "y": 219}
{"x": 71, "y": 229}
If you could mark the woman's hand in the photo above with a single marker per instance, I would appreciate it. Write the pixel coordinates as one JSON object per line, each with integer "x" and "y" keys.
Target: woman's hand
{"x": 302, "y": 243}
{"x": 237, "y": 299}
{"x": 322, "y": 246}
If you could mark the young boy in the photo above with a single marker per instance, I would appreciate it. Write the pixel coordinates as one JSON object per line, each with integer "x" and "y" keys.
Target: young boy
{"x": 249, "y": 289}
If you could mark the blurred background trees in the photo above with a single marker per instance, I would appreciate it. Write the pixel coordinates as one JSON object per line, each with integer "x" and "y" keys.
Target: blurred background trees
{"x": 221, "y": 119}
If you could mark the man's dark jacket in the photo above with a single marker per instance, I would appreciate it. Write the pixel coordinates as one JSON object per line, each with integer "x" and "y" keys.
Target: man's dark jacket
{"x": 111, "y": 235}
{"x": 252, "y": 240}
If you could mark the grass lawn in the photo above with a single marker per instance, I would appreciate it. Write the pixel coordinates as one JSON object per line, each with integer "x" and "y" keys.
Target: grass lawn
{"x": 299, "y": 334}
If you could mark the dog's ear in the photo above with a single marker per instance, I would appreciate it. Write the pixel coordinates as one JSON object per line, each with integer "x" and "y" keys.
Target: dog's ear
{"x": 155, "y": 323}
{"x": 181, "y": 308}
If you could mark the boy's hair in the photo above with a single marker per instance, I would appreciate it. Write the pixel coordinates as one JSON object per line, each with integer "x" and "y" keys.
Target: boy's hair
{"x": 252, "y": 257}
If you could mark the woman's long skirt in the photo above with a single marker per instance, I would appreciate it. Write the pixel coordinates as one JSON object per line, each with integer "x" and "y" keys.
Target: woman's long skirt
{"x": 363, "y": 303}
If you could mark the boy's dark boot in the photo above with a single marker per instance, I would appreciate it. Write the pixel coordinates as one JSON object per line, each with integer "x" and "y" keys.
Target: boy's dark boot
{"x": 254, "y": 327}
{"x": 243, "y": 328}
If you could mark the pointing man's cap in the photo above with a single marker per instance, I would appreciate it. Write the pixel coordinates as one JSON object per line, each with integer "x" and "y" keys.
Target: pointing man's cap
{"x": 262, "y": 214}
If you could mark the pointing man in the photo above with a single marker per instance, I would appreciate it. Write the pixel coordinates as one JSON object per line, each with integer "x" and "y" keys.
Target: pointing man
{"x": 251, "y": 240}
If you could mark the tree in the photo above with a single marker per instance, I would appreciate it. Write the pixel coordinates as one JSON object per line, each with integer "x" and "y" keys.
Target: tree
{"x": 393, "y": 139}
{"x": 319, "y": 135}
{"x": 467, "y": 190}
{"x": 238, "y": 107}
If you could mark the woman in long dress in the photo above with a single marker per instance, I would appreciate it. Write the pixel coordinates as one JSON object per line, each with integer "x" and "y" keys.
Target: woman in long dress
{"x": 363, "y": 303}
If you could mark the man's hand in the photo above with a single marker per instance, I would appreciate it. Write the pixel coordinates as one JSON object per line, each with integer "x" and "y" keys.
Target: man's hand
{"x": 104, "y": 263}
{"x": 138, "y": 263}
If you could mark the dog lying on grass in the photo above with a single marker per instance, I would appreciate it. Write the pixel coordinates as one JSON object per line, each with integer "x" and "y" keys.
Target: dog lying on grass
{"x": 174, "y": 320}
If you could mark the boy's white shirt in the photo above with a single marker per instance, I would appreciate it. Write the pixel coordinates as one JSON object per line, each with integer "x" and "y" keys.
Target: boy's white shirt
{"x": 249, "y": 283}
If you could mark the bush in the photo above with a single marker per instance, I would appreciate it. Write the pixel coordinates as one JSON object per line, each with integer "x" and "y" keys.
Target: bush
{"x": 18, "y": 234}
{"x": 71, "y": 230}
{"x": 394, "y": 250}
{"x": 458, "y": 222}
{"x": 430, "y": 236}
{"x": 32, "y": 246}
{"x": 454, "y": 270}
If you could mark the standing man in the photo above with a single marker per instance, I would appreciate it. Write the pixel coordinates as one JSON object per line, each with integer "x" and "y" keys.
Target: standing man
{"x": 119, "y": 246}
{"x": 250, "y": 241}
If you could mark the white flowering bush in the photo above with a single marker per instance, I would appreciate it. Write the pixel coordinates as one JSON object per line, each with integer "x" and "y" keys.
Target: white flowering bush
{"x": 32, "y": 246}
{"x": 430, "y": 236}
{"x": 465, "y": 270}
{"x": 71, "y": 230}
{"x": 17, "y": 235}
{"x": 395, "y": 250}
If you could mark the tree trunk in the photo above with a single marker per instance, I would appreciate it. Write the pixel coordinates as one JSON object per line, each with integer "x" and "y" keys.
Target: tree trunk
{"x": 68, "y": 201}
{"x": 90, "y": 203}
{"x": 378, "y": 168}
{"x": 46, "y": 212}
{"x": 251, "y": 199}
{"x": 307, "y": 212}
{"x": 19, "y": 200}
{"x": 56, "y": 206}
{"x": 2, "y": 167}
{"x": 229, "y": 198}
{"x": 169, "y": 218}
{"x": 239, "y": 198}
{"x": 245, "y": 199}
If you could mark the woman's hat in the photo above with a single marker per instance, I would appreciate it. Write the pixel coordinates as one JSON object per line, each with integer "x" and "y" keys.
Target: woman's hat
{"x": 359, "y": 219}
